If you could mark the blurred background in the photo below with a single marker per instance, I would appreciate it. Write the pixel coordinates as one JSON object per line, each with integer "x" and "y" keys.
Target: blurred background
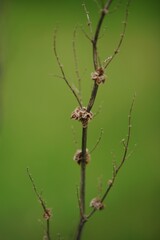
{"x": 36, "y": 130}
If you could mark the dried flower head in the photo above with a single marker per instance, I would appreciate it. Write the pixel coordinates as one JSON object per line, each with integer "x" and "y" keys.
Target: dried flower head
{"x": 97, "y": 204}
{"x": 78, "y": 156}
{"x": 82, "y": 115}
{"x": 47, "y": 214}
{"x": 98, "y": 76}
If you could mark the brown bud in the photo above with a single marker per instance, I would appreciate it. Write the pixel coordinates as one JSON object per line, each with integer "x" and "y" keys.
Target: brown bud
{"x": 82, "y": 115}
{"x": 78, "y": 156}
{"x": 97, "y": 204}
{"x": 47, "y": 214}
{"x": 98, "y": 76}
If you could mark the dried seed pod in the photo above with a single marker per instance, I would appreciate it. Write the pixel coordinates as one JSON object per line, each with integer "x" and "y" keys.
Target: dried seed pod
{"x": 78, "y": 156}
{"x": 97, "y": 204}
{"x": 98, "y": 76}
{"x": 82, "y": 115}
{"x": 47, "y": 214}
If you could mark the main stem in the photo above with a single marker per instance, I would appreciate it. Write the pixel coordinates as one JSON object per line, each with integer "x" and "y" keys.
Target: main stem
{"x": 48, "y": 230}
{"x": 82, "y": 185}
{"x": 83, "y": 218}
{"x": 83, "y": 170}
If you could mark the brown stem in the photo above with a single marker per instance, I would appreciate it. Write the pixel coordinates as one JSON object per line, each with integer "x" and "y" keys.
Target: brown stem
{"x": 80, "y": 228}
{"x": 47, "y": 212}
{"x": 48, "y": 230}
{"x": 116, "y": 51}
{"x": 83, "y": 219}
{"x": 95, "y": 57}
{"x": 82, "y": 185}
{"x": 95, "y": 39}
{"x": 83, "y": 169}
{"x": 62, "y": 71}
{"x": 93, "y": 97}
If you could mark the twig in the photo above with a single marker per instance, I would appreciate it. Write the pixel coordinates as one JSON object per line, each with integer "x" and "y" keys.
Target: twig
{"x": 47, "y": 211}
{"x": 62, "y": 70}
{"x": 117, "y": 168}
{"x": 116, "y": 51}
{"x": 98, "y": 141}
{"x": 89, "y": 23}
{"x": 95, "y": 54}
{"x": 76, "y": 64}
{"x": 95, "y": 39}
{"x": 98, "y": 111}
{"x": 85, "y": 34}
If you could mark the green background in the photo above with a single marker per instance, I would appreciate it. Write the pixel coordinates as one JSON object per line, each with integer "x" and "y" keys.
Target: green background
{"x": 36, "y": 130}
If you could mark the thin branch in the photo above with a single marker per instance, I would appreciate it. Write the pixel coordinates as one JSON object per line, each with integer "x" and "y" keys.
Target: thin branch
{"x": 116, "y": 168}
{"x": 116, "y": 51}
{"x": 85, "y": 34}
{"x": 89, "y": 23}
{"x": 62, "y": 70}
{"x": 95, "y": 54}
{"x": 98, "y": 141}
{"x": 96, "y": 36}
{"x": 98, "y": 111}
{"x": 128, "y": 137}
{"x": 131, "y": 152}
{"x": 47, "y": 212}
{"x": 76, "y": 64}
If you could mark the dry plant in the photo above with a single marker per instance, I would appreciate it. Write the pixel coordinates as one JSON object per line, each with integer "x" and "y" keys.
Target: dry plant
{"x": 84, "y": 115}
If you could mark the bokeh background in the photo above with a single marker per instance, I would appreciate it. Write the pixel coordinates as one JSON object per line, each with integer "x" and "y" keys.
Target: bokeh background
{"x": 36, "y": 130}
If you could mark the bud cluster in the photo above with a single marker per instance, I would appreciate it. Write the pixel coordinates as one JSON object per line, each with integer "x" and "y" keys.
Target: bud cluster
{"x": 47, "y": 214}
{"x": 78, "y": 156}
{"x": 98, "y": 76}
{"x": 96, "y": 204}
{"x": 82, "y": 115}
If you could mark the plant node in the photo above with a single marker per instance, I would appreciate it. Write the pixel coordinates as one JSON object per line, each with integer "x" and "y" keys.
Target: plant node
{"x": 97, "y": 204}
{"x": 82, "y": 115}
{"x": 78, "y": 156}
{"x": 47, "y": 214}
{"x": 98, "y": 76}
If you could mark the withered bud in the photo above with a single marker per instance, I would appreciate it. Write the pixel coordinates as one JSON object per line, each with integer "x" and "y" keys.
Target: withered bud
{"x": 97, "y": 204}
{"x": 98, "y": 76}
{"x": 47, "y": 214}
{"x": 78, "y": 156}
{"x": 82, "y": 115}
